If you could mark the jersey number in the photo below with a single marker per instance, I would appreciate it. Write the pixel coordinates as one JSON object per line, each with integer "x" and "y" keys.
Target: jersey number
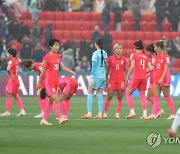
{"x": 117, "y": 67}
{"x": 142, "y": 62}
{"x": 56, "y": 66}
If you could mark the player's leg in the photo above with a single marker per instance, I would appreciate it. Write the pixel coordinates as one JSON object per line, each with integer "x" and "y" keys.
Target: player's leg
{"x": 175, "y": 125}
{"x": 8, "y": 105}
{"x": 168, "y": 98}
{"x": 107, "y": 102}
{"x": 119, "y": 103}
{"x": 20, "y": 105}
{"x": 150, "y": 94}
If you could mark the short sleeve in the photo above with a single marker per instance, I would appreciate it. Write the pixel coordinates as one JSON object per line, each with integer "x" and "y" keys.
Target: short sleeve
{"x": 109, "y": 62}
{"x": 126, "y": 62}
{"x": 94, "y": 57}
{"x": 45, "y": 61}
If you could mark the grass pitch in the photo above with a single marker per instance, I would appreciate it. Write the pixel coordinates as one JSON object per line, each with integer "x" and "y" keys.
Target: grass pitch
{"x": 105, "y": 136}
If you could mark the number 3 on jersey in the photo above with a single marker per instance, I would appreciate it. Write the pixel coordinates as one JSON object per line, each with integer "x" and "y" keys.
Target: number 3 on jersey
{"x": 142, "y": 62}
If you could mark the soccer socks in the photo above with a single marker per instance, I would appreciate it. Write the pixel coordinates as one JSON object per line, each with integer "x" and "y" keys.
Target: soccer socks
{"x": 156, "y": 105}
{"x": 8, "y": 104}
{"x": 106, "y": 105}
{"x": 151, "y": 99}
{"x": 68, "y": 104}
{"x": 19, "y": 103}
{"x": 41, "y": 103}
{"x": 89, "y": 102}
{"x": 100, "y": 103}
{"x": 47, "y": 110}
{"x": 130, "y": 102}
{"x": 118, "y": 106}
{"x": 56, "y": 108}
{"x": 176, "y": 122}
{"x": 144, "y": 103}
{"x": 64, "y": 108}
{"x": 170, "y": 104}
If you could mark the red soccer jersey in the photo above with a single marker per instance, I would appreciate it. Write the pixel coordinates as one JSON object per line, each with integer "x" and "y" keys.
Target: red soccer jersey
{"x": 117, "y": 66}
{"x": 51, "y": 63}
{"x": 159, "y": 61}
{"x": 141, "y": 61}
{"x": 38, "y": 67}
{"x": 13, "y": 65}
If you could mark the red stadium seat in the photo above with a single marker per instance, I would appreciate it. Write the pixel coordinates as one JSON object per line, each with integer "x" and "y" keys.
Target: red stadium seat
{"x": 129, "y": 44}
{"x": 25, "y": 16}
{"x": 67, "y": 34}
{"x": 59, "y": 25}
{"x": 127, "y": 17}
{"x": 76, "y": 34}
{"x": 148, "y": 36}
{"x": 158, "y": 35}
{"x": 114, "y": 35}
{"x": 130, "y": 35}
{"x": 77, "y": 25}
{"x": 147, "y": 42}
{"x": 76, "y": 16}
{"x": 58, "y": 34}
{"x": 111, "y": 26}
{"x": 95, "y": 16}
{"x": 112, "y": 17}
{"x": 86, "y": 16}
{"x": 49, "y": 15}
{"x": 42, "y": 16}
{"x": 93, "y": 24}
{"x": 149, "y": 17}
{"x": 167, "y": 34}
{"x": 167, "y": 26}
{"x": 86, "y": 25}
{"x": 177, "y": 62}
{"x": 42, "y": 24}
{"x": 68, "y": 25}
{"x": 67, "y": 16}
{"x": 58, "y": 16}
{"x": 121, "y": 35}
{"x": 127, "y": 26}
{"x": 142, "y": 26}
{"x": 175, "y": 69}
{"x": 86, "y": 34}
{"x": 30, "y": 23}
{"x": 139, "y": 35}
{"x": 174, "y": 35}
{"x": 149, "y": 26}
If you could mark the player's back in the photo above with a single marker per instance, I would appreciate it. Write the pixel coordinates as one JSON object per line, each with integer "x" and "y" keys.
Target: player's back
{"x": 38, "y": 67}
{"x": 100, "y": 70}
{"x": 141, "y": 61}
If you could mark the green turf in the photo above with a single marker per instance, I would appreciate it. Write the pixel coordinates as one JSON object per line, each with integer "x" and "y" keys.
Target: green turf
{"x": 106, "y": 136}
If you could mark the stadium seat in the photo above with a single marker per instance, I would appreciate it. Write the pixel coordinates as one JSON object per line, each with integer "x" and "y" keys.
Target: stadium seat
{"x": 149, "y": 26}
{"x": 130, "y": 35}
{"x": 111, "y": 26}
{"x": 25, "y": 16}
{"x": 174, "y": 35}
{"x": 67, "y": 16}
{"x": 86, "y": 25}
{"x": 58, "y": 34}
{"x": 129, "y": 44}
{"x": 77, "y": 25}
{"x": 42, "y": 23}
{"x": 127, "y": 26}
{"x": 58, "y": 16}
{"x": 167, "y": 34}
{"x": 148, "y": 17}
{"x": 139, "y": 35}
{"x": 50, "y": 22}
{"x": 68, "y": 25}
{"x": 30, "y": 23}
{"x": 86, "y": 16}
{"x": 86, "y": 34}
{"x": 67, "y": 34}
{"x": 94, "y": 23}
{"x": 76, "y": 34}
{"x": 49, "y": 15}
{"x": 147, "y": 42}
{"x": 127, "y": 17}
{"x": 59, "y": 25}
{"x": 128, "y": 52}
{"x": 148, "y": 36}
{"x": 76, "y": 16}
{"x": 114, "y": 35}
{"x": 41, "y": 16}
{"x": 177, "y": 62}
{"x": 158, "y": 35}
{"x": 112, "y": 17}
{"x": 121, "y": 35}
{"x": 95, "y": 16}
{"x": 167, "y": 26}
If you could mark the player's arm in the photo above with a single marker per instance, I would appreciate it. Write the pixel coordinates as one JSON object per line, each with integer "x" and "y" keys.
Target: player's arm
{"x": 150, "y": 67}
{"x": 130, "y": 70}
{"x": 9, "y": 69}
{"x": 40, "y": 77}
{"x": 164, "y": 73}
{"x": 64, "y": 68}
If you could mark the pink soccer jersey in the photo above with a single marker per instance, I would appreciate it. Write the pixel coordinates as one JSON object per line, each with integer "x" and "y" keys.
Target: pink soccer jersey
{"x": 38, "y": 66}
{"x": 52, "y": 63}
{"x": 117, "y": 66}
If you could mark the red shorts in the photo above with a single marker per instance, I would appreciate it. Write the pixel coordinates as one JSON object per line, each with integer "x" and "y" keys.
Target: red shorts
{"x": 51, "y": 89}
{"x": 164, "y": 84}
{"x": 112, "y": 85}
{"x": 150, "y": 88}
{"x": 139, "y": 84}
{"x": 12, "y": 88}
{"x": 70, "y": 88}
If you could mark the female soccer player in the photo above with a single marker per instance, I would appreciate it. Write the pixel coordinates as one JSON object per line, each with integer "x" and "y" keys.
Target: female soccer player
{"x": 161, "y": 80}
{"x": 97, "y": 80}
{"x": 50, "y": 71}
{"x": 139, "y": 64}
{"x": 12, "y": 85}
{"x": 37, "y": 67}
{"x": 116, "y": 65}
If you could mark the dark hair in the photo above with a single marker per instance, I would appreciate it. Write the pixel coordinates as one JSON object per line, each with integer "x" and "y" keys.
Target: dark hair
{"x": 160, "y": 44}
{"x": 43, "y": 93}
{"x": 27, "y": 63}
{"x": 12, "y": 52}
{"x": 150, "y": 48}
{"x": 52, "y": 42}
{"x": 99, "y": 42}
{"x": 139, "y": 45}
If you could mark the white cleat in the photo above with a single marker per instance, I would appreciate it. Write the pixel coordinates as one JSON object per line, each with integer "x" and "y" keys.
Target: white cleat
{"x": 39, "y": 115}
{"x": 5, "y": 114}
{"x": 22, "y": 113}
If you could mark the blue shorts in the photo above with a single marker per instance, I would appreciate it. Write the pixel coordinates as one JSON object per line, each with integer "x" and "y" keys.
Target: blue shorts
{"x": 99, "y": 83}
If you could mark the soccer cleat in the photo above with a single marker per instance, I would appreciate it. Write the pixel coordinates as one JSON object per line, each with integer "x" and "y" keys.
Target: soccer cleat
{"x": 171, "y": 117}
{"x": 63, "y": 120}
{"x": 86, "y": 116}
{"x": 105, "y": 115}
{"x": 131, "y": 115}
{"x": 160, "y": 113}
{"x": 39, "y": 115}
{"x": 5, "y": 114}
{"x": 117, "y": 116}
{"x": 44, "y": 122}
{"x": 151, "y": 117}
{"x": 143, "y": 117}
{"x": 21, "y": 113}
{"x": 98, "y": 117}
{"x": 171, "y": 133}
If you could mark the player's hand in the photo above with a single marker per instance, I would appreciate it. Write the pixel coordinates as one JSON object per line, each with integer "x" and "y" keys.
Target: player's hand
{"x": 91, "y": 81}
{"x": 73, "y": 73}
{"x": 160, "y": 81}
{"x": 38, "y": 86}
{"x": 126, "y": 81}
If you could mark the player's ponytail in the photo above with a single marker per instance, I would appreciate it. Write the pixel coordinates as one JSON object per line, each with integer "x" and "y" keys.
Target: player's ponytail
{"x": 99, "y": 42}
